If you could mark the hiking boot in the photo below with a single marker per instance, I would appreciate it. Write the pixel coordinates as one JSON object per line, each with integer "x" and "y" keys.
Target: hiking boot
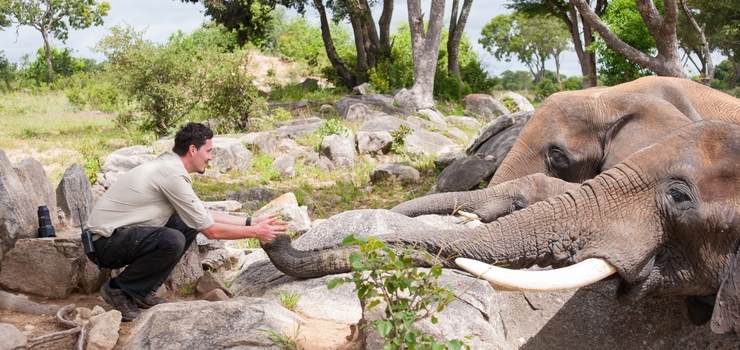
{"x": 121, "y": 302}
{"x": 150, "y": 300}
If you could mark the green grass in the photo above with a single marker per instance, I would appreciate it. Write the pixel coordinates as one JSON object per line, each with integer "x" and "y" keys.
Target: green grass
{"x": 289, "y": 300}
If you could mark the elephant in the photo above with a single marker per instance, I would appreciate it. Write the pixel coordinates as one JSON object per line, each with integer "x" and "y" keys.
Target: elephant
{"x": 576, "y": 135}
{"x": 667, "y": 221}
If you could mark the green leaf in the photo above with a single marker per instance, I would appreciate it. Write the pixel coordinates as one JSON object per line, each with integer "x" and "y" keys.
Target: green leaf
{"x": 334, "y": 282}
{"x": 384, "y": 328}
{"x": 351, "y": 239}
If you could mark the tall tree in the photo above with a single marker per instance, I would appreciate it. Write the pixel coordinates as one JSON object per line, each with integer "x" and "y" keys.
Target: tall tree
{"x": 425, "y": 51}
{"x": 582, "y": 33}
{"x": 667, "y": 60}
{"x": 457, "y": 27}
{"x": 720, "y": 21}
{"x": 530, "y": 39}
{"x": 54, "y": 18}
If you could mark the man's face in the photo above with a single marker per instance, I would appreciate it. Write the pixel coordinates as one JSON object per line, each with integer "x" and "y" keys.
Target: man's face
{"x": 202, "y": 156}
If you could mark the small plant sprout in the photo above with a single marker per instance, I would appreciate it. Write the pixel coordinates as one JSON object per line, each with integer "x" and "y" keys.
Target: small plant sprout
{"x": 384, "y": 276}
{"x": 289, "y": 300}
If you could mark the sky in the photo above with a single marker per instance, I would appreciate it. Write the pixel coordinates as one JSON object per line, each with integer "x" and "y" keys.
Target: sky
{"x": 161, "y": 18}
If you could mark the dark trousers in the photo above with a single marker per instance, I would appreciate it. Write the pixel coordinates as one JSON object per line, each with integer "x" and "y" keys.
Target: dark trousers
{"x": 148, "y": 253}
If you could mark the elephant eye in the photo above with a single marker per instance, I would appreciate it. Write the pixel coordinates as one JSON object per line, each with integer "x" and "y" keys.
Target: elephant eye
{"x": 518, "y": 204}
{"x": 679, "y": 194}
{"x": 558, "y": 159}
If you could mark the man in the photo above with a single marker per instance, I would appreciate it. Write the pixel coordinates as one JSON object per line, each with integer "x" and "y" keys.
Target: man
{"x": 148, "y": 218}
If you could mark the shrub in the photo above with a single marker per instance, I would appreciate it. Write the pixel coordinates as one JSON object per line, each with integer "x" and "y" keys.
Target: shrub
{"x": 381, "y": 274}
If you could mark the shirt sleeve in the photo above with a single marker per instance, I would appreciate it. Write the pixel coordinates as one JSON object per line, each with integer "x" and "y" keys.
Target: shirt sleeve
{"x": 179, "y": 192}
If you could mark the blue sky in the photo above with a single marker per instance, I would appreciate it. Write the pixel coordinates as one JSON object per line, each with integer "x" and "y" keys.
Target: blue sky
{"x": 161, "y": 18}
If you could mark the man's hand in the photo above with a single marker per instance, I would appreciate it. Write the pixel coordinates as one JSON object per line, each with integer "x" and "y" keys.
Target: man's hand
{"x": 266, "y": 227}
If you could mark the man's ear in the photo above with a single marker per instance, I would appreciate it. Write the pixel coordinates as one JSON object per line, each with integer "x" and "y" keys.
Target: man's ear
{"x": 192, "y": 149}
{"x": 726, "y": 315}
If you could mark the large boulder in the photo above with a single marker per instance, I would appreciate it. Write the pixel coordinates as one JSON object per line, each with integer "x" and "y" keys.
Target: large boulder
{"x": 51, "y": 267}
{"x": 379, "y": 102}
{"x": 465, "y": 174}
{"x": 427, "y": 143}
{"x": 521, "y": 102}
{"x": 37, "y": 186}
{"x": 230, "y": 153}
{"x": 483, "y": 106}
{"x": 75, "y": 195}
{"x": 339, "y": 149}
{"x": 18, "y": 217}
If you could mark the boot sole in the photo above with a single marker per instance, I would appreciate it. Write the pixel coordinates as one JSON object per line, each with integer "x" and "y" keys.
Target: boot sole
{"x": 109, "y": 300}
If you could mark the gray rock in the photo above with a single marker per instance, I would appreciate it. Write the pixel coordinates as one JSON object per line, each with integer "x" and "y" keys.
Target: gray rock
{"x": 422, "y": 123}
{"x": 339, "y": 149}
{"x": 465, "y": 174}
{"x": 51, "y": 267}
{"x": 385, "y": 123}
{"x": 295, "y": 131}
{"x": 103, "y": 330}
{"x": 403, "y": 173}
{"x": 374, "y": 142}
{"x": 230, "y": 153}
{"x": 122, "y": 162}
{"x": 133, "y": 151}
{"x": 457, "y": 134}
{"x": 287, "y": 205}
{"x": 379, "y": 102}
{"x": 12, "y": 337}
{"x": 360, "y": 111}
{"x": 523, "y": 105}
{"x": 427, "y": 143}
{"x": 433, "y": 116}
{"x": 37, "y": 186}
{"x": 17, "y": 208}
{"x": 483, "y": 106}
{"x": 236, "y": 323}
{"x": 285, "y": 164}
{"x": 446, "y": 159}
{"x": 494, "y": 128}
{"x": 186, "y": 273}
{"x": 163, "y": 145}
{"x": 209, "y": 282}
{"x": 362, "y": 89}
{"x": 75, "y": 192}
{"x": 465, "y": 122}
{"x": 288, "y": 146}
{"x": 265, "y": 142}
{"x": 227, "y": 205}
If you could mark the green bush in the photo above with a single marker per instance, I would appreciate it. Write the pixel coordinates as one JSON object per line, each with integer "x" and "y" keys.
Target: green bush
{"x": 383, "y": 275}
{"x": 544, "y": 88}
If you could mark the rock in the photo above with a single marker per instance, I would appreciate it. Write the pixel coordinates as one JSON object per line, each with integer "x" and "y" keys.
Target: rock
{"x": 289, "y": 147}
{"x": 227, "y": 206}
{"x": 103, "y": 331}
{"x": 374, "y": 142}
{"x": 11, "y": 337}
{"x": 185, "y": 274}
{"x": 207, "y": 325}
{"x": 465, "y": 122}
{"x": 427, "y": 143}
{"x": 215, "y": 295}
{"x": 339, "y": 149}
{"x": 37, "y": 186}
{"x": 522, "y": 104}
{"x": 465, "y": 174}
{"x": 19, "y": 210}
{"x": 123, "y": 162}
{"x": 446, "y": 159}
{"x": 362, "y": 89}
{"x": 483, "y": 106}
{"x": 326, "y": 109}
{"x": 403, "y": 173}
{"x": 75, "y": 192}
{"x": 360, "y": 111}
{"x": 287, "y": 205}
{"x": 264, "y": 141}
{"x": 457, "y": 134}
{"x": 433, "y": 116}
{"x": 295, "y": 131}
{"x": 163, "y": 145}
{"x": 285, "y": 164}
{"x": 209, "y": 282}
{"x": 379, "y": 102}
{"x": 494, "y": 128}
{"x": 310, "y": 84}
{"x": 230, "y": 153}
{"x": 51, "y": 267}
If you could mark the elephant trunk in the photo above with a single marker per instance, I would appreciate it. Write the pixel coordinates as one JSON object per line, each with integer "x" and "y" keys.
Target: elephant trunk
{"x": 490, "y": 203}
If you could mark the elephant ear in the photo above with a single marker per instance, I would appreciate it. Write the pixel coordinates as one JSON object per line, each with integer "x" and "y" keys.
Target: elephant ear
{"x": 726, "y": 315}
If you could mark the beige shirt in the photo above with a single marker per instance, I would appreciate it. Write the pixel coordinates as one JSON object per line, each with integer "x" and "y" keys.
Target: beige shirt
{"x": 148, "y": 195}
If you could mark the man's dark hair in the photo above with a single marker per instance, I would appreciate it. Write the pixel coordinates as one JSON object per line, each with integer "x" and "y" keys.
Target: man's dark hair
{"x": 194, "y": 134}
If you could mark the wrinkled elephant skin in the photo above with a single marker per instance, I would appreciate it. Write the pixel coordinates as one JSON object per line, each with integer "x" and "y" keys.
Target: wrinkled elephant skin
{"x": 668, "y": 221}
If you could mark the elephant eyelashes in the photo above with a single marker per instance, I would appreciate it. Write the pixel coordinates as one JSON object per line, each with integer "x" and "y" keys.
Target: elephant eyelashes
{"x": 557, "y": 159}
{"x": 679, "y": 195}
{"x": 518, "y": 203}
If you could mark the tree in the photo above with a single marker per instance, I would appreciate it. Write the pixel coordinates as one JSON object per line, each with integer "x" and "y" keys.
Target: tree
{"x": 55, "y": 17}
{"x": 667, "y": 60}
{"x": 425, "y": 51}
{"x": 530, "y": 39}
{"x": 582, "y": 33}
{"x": 457, "y": 27}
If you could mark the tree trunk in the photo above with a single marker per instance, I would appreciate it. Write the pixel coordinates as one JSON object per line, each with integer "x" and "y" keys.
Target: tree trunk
{"x": 586, "y": 59}
{"x": 457, "y": 27}
{"x": 557, "y": 71}
{"x": 668, "y": 61}
{"x": 47, "y": 55}
{"x": 344, "y": 74}
{"x": 385, "y": 27}
{"x": 425, "y": 50}
{"x": 361, "y": 65}
{"x": 707, "y": 53}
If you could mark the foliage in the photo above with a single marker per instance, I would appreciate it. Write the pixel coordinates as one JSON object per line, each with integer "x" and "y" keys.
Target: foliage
{"x": 544, "y": 88}
{"x": 55, "y": 18}
{"x": 573, "y": 83}
{"x": 624, "y": 20}
{"x": 725, "y": 77}
{"x": 381, "y": 274}
{"x": 333, "y": 126}
{"x": 64, "y": 65}
{"x": 7, "y": 73}
{"x": 398, "y": 145}
{"x": 289, "y": 300}
{"x": 531, "y": 40}
{"x": 229, "y": 94}
{"x": 515, "y": 81}
{"x": 284, "y": 341}
{"x": 249, "y": 20}
{"x": 90, "y": 90}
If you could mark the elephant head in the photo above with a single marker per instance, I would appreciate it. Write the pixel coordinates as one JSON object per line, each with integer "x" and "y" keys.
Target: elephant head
{"x": 666, "y": 219}
{"x": 575, "y": 135}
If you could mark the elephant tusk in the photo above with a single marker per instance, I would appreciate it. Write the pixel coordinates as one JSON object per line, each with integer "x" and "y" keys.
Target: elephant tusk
{"x": 581, "y": 274}
{"x": 470, "y": 216}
